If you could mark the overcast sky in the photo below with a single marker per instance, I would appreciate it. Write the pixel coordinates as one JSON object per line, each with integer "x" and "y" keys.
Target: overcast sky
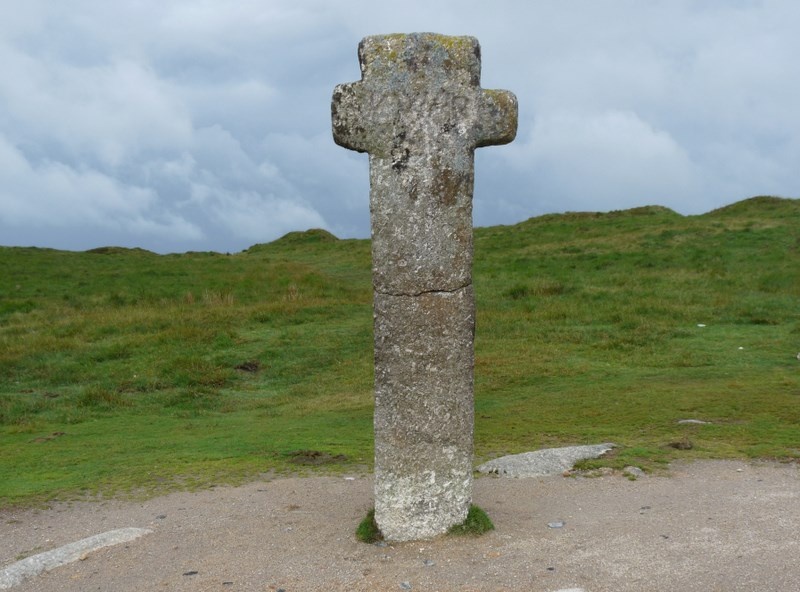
{"x": 205, "y": 124}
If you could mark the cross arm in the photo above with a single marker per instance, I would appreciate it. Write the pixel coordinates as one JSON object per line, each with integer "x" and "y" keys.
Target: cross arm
{"x": 497, "y": 118}
{"x": 346, "y": 117}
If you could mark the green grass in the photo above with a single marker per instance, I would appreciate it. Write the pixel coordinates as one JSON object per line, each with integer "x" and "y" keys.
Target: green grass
{"x": 123, "y": 371}
{"x": 476, "y": 523}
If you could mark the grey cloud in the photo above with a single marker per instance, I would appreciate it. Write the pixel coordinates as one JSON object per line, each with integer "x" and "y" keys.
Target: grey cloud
{"x": 201, "y": 125}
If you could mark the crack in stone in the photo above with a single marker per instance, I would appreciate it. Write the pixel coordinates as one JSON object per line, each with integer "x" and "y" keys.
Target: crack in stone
{"x": 424, "y": 292}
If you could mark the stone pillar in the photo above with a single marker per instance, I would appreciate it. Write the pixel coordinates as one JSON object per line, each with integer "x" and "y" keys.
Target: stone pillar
{"x": 420, "y": 113}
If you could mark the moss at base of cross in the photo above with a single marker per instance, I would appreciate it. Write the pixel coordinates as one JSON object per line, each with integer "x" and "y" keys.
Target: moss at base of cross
{"x": 368, "y": 531}
{"x": 476, "y": 524}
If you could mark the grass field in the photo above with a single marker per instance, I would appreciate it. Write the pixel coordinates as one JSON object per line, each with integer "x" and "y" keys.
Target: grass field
{"x": 123, "y": 371}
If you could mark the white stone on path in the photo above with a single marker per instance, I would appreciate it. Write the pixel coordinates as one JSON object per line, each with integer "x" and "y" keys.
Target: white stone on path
{"x": 18, "y": 572}
{"x": 541, "y": 463}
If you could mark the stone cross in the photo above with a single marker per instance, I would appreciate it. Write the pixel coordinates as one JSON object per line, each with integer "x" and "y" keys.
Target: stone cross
{"x": 419, "y": 112}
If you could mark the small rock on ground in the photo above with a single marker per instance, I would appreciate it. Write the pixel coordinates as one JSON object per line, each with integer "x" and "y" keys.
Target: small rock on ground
{"x": 541, "y": 463}
{"x": 634, "y": 472}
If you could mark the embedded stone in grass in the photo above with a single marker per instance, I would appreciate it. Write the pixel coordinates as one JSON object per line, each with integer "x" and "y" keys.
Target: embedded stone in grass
{"x": 541, "y": 463}
{"x": 683, "y": 444}
{"x": 633, "y": 473}
{"x": 249, "y": 366}
{"x": 315, "y": 457}
{"x": 420, "y": 113}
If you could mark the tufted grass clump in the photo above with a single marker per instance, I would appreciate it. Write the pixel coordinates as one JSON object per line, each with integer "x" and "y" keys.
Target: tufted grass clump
{"x": 476, "y": 523}
{"x": 368, "y": 531}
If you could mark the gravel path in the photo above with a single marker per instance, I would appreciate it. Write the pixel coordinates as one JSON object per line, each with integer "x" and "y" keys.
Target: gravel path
{"x": 715, "y": 525}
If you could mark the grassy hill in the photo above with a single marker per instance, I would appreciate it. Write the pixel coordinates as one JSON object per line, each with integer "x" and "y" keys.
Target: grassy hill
{"x": 126, "y": 371}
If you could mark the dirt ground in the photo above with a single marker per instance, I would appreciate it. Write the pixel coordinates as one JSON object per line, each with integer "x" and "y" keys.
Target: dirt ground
{"x": 715, "y": 525}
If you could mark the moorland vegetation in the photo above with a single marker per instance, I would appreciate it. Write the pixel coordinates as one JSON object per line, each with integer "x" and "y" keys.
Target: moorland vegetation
{"x": 127, "y": 372}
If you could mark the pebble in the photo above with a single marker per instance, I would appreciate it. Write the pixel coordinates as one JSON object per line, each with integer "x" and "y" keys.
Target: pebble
{"x": 405, "y": 585}
{"x": 634, "y": 472}
{"x": 429, "y": 563}
{"x": 556, "y": 524}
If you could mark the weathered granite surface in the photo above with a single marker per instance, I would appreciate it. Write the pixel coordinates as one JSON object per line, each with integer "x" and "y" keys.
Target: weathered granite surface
{"x": 420, "y": 113}
{"x": 541, "y": 463}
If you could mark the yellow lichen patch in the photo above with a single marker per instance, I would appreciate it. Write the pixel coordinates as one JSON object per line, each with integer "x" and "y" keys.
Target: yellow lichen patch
{"x": 458, "y": 44}
{"x": 389, "y": 46}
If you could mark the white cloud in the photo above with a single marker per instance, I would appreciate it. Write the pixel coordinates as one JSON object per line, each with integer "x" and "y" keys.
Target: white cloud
{"x": 334, "y": 181}
{"x": 53, "y": 195}
{"x": 604, "y": 160}
{"x": 255, "y": 217}
{"x": 107, "y": 114}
